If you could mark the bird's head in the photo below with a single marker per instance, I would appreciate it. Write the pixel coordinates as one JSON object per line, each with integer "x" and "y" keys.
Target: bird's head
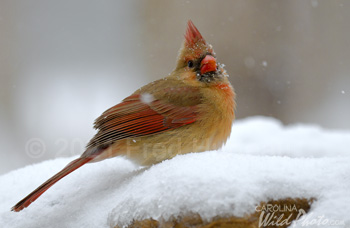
{"x": 197, "y": 60}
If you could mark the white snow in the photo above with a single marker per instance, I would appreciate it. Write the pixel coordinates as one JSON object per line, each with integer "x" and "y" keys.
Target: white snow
{"x": 262, "y": 160}
{"x": 147, "y": 98}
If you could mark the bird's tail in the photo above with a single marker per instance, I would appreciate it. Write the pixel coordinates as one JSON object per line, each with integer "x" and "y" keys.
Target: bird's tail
{"x": 45, "y": 186}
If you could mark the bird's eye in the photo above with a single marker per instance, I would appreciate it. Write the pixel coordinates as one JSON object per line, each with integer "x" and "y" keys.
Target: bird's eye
{"x": 190, "y": 64}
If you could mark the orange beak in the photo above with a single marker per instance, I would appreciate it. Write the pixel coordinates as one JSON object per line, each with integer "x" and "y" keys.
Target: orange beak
{"x": 208, "y": 64}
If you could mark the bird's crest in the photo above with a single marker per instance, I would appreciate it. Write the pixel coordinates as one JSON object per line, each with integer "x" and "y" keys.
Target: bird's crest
{"x": 192, "y": 35}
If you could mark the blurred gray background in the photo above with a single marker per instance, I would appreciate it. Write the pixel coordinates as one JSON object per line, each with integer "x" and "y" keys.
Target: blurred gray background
{"x": 62, "y": 63}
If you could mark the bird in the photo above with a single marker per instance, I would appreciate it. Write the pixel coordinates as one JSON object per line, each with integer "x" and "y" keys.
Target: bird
{"x": 190, "y": 110}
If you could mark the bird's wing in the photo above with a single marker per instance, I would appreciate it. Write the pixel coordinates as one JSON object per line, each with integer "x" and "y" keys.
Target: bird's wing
{"x": 140, "y": 115}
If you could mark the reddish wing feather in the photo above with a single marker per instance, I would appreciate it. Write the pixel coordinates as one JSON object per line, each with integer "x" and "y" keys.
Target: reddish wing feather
{"x": 132, "y": 117}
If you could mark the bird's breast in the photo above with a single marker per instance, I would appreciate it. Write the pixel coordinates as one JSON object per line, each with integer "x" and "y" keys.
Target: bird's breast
{"x": 217, "y": 114}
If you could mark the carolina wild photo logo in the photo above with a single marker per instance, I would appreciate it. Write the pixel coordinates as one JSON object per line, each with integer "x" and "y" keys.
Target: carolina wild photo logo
{"x": 278, "y": 214}
{"x": 282, "y": 215}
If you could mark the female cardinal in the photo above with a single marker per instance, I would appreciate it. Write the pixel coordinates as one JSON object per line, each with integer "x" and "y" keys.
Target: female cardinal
{"x": 191, "y": 110}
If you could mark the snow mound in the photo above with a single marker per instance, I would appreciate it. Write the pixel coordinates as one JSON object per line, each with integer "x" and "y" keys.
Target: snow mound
{"x": 263, "y": 160}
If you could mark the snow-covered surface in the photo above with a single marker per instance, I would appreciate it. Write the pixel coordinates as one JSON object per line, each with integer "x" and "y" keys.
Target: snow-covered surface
{"x": 262, "y": 160}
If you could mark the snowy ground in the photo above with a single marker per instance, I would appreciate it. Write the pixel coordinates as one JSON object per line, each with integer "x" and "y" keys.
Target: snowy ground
{"x": 262, "y": 160}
